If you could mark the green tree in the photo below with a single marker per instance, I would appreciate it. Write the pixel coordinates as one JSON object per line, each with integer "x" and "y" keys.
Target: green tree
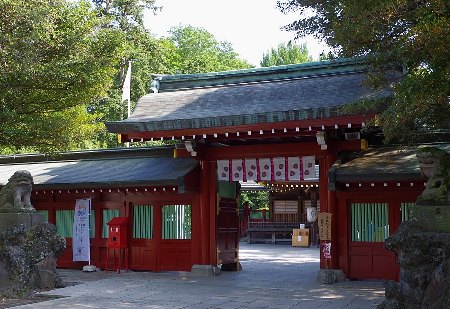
{"x": 140, "y": 47}
{"x": 124, "y": 14}
{"x": 286, "y": 54}
{"x": 256, "y": 199}
{"x": 413, "y": 34}
{"x": 54, "y": 58}
{"x": 192, "y": 50}
{"x": 187, "y": 50}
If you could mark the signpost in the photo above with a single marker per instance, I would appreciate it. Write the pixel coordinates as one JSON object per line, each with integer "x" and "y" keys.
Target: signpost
{"x": 324, "y": 223}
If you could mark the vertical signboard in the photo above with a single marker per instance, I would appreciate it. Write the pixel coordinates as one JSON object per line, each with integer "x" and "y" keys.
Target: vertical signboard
{"x": 81, "y": 240}
{"x": 324, "y": 222}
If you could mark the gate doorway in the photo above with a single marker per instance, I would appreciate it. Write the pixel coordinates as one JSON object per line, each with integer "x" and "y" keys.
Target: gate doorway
{"x": 272, "y": 212}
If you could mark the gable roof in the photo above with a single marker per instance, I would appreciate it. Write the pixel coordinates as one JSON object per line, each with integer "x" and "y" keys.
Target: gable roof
{"x": 249, "y": 97}
{"x": 102, "y": 169}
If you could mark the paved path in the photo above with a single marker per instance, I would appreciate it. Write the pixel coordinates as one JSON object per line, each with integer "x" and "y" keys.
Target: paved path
{"x": 273, "y": 276}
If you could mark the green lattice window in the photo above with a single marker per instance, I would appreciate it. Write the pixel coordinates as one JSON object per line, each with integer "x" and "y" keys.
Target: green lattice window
{"x": 143, "y": 221}
{"x": 405, "y": 209}
{"x": 107, "y": 215}
{"x": 64, "y": 223}
{"x": 176, "y": 222}
{"x": 370, "y": 222}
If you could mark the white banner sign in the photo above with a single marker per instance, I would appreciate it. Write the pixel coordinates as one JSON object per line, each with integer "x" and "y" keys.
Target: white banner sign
{"x": 267, "y": 169}
{"x": 80, "y": 238}
{"x": 309, "y": 167}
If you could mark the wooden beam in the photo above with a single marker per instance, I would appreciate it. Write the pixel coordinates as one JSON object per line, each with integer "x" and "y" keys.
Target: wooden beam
{"x": 233, "y": 132}
{"x": 264, "y": 150}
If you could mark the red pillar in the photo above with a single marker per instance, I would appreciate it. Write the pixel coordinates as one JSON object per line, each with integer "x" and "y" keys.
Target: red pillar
{"x": 212, "y": 212}
{"x": 328, "y": 203}
{"x": 206, "y": 245}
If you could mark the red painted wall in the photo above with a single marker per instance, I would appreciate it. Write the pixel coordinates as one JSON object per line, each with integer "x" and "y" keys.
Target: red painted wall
{"x": 361, "y": 260}
{"x": 151, "y": 254}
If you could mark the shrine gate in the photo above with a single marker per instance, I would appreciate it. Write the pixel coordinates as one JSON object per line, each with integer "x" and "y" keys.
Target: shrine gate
{"x": 270, "y": 125}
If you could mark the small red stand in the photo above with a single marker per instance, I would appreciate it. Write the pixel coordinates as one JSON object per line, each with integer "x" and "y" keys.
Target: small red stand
{"x": 117, "y": 239}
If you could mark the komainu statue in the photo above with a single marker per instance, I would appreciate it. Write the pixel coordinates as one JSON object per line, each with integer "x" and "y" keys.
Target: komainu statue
{"x": 15, "y": 195}
{"x": 435, "y": 166}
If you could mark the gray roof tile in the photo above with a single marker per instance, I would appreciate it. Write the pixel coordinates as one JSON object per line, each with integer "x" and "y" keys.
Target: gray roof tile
{"x": 263, "y": 102}
{"x": 383, "y": 164}
{"x": 103, "y": 172}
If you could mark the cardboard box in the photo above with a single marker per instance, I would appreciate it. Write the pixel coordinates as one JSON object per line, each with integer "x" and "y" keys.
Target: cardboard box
{"x": 300, "y": 238}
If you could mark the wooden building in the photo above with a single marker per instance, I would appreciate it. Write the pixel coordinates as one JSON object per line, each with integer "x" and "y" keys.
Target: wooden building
{"x": 264, "y": 124}
{"x": 159, "y": 195}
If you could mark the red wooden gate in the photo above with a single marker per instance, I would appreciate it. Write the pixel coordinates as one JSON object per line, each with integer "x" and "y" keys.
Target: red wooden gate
{"x": 370, "y": 224}
{"x": 228, "y": 234}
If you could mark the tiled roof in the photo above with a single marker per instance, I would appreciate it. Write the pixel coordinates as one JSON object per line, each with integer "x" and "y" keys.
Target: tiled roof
{"x": 109, "y": 170}
{"x": 267, "y": 95}
{"x": 382, "y": 164}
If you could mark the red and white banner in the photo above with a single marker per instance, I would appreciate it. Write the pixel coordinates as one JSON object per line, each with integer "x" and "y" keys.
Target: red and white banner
{"x": 251, "y": 169}
{"x": 294, "y": 168}
{"x": 279, "y": 168}
{"x": 223, "y": 170}
{"x": 267, "y": 169}
{"x": 237, "y": 170}
{"x": 309, "y": 167}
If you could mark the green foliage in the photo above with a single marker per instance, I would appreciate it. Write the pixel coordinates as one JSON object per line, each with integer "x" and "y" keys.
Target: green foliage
{"x": 414, "y": 34}
{"x": 63, "y": 65}
{"x": 124, "y": 14}
{"x": 286, "y": 54}
{"x": 192, "y": 50}
{"x": 256, "y": 199}
{"x": 140, "y": 47}
{"x": 188, "y": 50}
{"x": 54, "y": 58}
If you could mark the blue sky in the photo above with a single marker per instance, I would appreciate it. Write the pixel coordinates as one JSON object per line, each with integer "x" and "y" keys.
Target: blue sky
{"x": 251, "y": 26}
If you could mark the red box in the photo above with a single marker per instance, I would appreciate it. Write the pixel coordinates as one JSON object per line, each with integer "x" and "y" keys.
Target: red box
{"x": 117, "y": 236}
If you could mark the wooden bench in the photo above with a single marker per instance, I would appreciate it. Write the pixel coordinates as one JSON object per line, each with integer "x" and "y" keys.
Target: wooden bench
{"x": 270, "y": 232}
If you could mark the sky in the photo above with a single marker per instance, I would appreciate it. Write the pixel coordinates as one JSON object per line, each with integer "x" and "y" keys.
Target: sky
{"x": 251, "y": 26}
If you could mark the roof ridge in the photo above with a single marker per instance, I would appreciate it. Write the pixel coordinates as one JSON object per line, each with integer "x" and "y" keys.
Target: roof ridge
{"x": 89, "y": 154}
{"x": 284, "y": 72}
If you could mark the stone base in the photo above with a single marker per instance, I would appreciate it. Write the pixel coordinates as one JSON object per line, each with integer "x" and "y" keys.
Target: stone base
{"x": 205, "y": 270}
{"x": 27, "y": 219}
{"x": 89, "y": 268}
{"x": 330, "y": 276}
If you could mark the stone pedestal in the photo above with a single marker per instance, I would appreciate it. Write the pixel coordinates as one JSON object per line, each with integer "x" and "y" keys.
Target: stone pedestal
{"x": 330, "y": 276}
{"x": 27, "y": 219}
{"x": 205, "y": 270}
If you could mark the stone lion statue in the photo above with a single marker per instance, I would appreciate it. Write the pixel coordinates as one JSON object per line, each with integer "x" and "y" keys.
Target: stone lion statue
{"x": 435, "y": 166}
{"x": 15, "y": 195}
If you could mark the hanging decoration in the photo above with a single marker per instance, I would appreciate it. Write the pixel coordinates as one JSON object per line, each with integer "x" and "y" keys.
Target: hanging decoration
{"x": 251, "y": 169}
{"x": 309, "y": 167}
{"x": 267, "y": 169}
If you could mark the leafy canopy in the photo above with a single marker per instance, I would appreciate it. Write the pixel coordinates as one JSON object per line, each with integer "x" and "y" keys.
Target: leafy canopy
{"x": 286, "y": 54}
{"x": 414, "y": 34}
{"x": 54, "y": 59}
{"x": 191, "y": 50}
